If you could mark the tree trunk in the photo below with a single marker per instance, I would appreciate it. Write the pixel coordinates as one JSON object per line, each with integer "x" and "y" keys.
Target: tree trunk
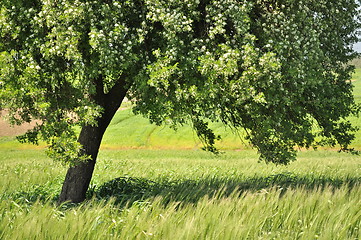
{"x": 78, "y": 177}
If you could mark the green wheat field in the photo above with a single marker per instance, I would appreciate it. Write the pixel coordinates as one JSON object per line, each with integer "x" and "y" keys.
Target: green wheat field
{"x": 153, "y": 183}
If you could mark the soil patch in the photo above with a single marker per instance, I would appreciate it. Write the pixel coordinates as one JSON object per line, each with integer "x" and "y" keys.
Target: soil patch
{"x": 9, "y": 131}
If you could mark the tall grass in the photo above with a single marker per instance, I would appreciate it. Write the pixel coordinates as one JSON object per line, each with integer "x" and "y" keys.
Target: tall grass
{"x": 168, "y": 194}
{"x": 266, "y": 214}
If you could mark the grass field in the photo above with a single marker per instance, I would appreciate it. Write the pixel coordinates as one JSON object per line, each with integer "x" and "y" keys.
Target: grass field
{"x": 152, "y": 183}
{"x": 182, "y": 194}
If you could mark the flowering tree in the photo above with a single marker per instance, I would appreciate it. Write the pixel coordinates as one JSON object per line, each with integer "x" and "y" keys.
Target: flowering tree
{"x": 276, "y": 68}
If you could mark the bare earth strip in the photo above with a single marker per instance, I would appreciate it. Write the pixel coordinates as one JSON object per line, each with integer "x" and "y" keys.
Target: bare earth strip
{"x": 7, "y": 131}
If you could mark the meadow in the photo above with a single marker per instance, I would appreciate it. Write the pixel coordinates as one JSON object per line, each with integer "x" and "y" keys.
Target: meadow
{"x": 153, "y": 183}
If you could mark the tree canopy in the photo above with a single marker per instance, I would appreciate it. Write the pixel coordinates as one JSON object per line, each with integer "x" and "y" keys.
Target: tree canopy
{"x": 276, "y": 68}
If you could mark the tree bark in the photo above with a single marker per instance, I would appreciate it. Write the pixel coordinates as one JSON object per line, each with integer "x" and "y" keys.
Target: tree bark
{"x": 78, "y": 177}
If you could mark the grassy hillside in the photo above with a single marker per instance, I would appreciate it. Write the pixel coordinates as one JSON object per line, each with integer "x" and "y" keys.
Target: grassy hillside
{"x": 130, "y": 131}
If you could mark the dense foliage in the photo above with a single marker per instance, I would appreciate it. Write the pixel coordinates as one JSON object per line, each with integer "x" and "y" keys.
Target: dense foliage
{"x": 275, "y": 68}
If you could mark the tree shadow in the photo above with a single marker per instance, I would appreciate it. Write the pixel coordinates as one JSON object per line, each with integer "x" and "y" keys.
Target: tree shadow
{"x": 38, "y": 193}
{"x": 127, "y": 190}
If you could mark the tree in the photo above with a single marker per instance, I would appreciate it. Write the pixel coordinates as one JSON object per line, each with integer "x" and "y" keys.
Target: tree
{"x": 275, "y": 68}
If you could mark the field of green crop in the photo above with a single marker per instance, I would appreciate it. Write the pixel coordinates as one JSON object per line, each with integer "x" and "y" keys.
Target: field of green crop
{"x": 182, "y": 194}
{"x": 152, "y": 183}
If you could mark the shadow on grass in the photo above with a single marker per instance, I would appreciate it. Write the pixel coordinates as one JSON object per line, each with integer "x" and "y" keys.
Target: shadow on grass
{"x": 127, "y": 190}
{"x": 39, "y": 193}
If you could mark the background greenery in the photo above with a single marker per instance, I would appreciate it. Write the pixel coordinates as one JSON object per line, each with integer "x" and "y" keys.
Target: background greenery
{"x": 153, "y": 183}
{"x": 129, "y": 131}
